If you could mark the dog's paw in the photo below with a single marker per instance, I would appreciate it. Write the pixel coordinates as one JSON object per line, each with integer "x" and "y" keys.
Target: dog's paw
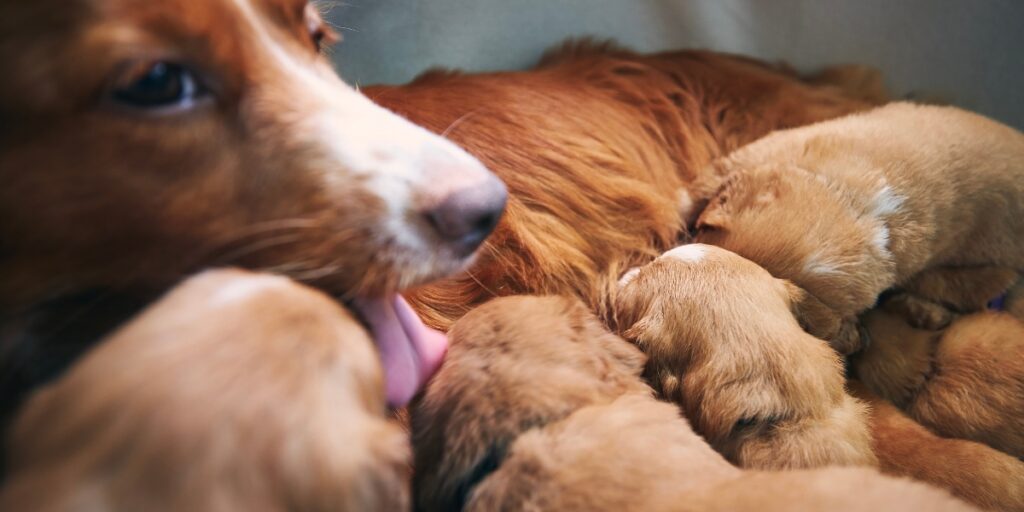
{"x": 849, "y": 338}
{"x": 919, "y": 312}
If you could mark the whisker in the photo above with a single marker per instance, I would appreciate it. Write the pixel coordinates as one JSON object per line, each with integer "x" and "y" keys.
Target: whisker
{"x": 460, "y": 120}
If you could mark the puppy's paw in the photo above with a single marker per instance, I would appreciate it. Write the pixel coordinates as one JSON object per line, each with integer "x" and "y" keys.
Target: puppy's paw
{"x": 849, "y": 338}
{"x": 919, "y": 312}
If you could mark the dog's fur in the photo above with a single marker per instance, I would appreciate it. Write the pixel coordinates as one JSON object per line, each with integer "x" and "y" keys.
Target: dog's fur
{"x": 235, "y": 392}
{"x": 851, "y": 207}
{"x": 966, "y": 381}
{"x": 550, "y": 414}
{"x": 599, "y": 147}
{"x": 971, "y": 471}
{"x": 723, "y": 343}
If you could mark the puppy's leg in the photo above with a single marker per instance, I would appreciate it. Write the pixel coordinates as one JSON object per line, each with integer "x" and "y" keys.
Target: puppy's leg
{"x": 844, "y": 334}
{"x": 962, "y": 289}
{"x": 918, "y": 311}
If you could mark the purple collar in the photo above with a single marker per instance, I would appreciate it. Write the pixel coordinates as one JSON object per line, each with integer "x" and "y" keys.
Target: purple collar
{"x": 998, "y": 303}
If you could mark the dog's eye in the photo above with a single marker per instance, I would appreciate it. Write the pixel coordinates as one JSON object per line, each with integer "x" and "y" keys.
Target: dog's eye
{"x": 319, "y": 33}
{"x": 158, "y": 85}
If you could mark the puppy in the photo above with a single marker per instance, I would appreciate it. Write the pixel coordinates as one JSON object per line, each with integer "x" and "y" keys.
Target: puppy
{"x": 965, "y": 382}
{"x": 236, "y": 391}
{"x": 849, "y": 208}
{"x": 725, "y": 346}
{"x": 551, "y": 414}
{"x": 971, "y": 471}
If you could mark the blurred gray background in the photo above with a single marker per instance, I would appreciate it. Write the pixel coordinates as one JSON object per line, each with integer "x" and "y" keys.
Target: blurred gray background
{"x": 969, "y": 52}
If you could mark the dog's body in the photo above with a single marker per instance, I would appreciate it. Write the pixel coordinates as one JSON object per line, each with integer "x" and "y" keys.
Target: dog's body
{"x": 723, "y": 343}
{"x": 551, "y": 414}
{"x": 235, "y": 392}
{"x": 971, "y": 471}
{"x": 849, "y": 208}
{"x": 965, "y": 382}
{"x": 599, "y": 147}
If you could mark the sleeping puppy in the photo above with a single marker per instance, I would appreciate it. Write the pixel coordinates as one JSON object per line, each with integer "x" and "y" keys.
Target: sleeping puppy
{"x": 851, "y": 207}
{"x": 235, "y": 392}
{"x": 966, "y": 381}
{"x": 724, "y": 345}
{"x": 971, "y": 471}
{"x": 551, "y": 414}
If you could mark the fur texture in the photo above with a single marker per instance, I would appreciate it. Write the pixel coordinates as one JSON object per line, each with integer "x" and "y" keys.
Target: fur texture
{"x": 971, "y": 471}
{"x": 725, "y": 346}
{"x": 965, "y": 382}
{"x": 551, "y": 414}
{"x": 601, "y": 149}
{"x": 849, "y": 208}
{"x": 234, "y": 392}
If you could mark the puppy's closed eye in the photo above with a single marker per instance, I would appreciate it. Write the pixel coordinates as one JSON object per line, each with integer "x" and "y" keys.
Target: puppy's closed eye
{"x": 755, "y": 424}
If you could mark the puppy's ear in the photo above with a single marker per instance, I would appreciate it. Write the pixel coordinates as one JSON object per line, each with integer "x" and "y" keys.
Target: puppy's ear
{"x": 586, "y": 324}
{"x": 813, "y": 315}
{"x": 715, "y": 217}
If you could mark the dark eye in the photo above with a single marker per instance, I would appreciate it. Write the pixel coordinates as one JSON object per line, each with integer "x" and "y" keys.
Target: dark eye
{"x": 319, "y": 33}
{"x": 158, "y": 85}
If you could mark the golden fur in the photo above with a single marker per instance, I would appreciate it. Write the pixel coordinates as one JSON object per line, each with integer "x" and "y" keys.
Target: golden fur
{"x": 851, "y": 207}
{"x": 551, "y": 414}
{"x": 600, "y": 147}
{"x": 965, "y": 382}
{"x": 971, "y": 471}
{"x": 235, "y": 392}
{"x": 725, "y": 346}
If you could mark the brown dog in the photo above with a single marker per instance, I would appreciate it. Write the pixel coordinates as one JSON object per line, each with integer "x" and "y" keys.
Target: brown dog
{"x": 971, "y": 471}
{"x": 235, "y": 392}
{"x": 851, "y": 207}
{"x": 966, "y": 381}
{"x": 550, "y": 414}
{"x": 724, "y": 344}
{"x": 599, "y": 147}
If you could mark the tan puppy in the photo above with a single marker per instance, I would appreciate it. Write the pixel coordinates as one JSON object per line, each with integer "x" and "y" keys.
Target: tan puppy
{"x": 972, "y": 471}
{"x": 965, "y": 382}
{"x": 550, "y": 414}
{"x": 234, "y": 392}
{"x": 723, "y": 344}
{"x": 849, "y": 208}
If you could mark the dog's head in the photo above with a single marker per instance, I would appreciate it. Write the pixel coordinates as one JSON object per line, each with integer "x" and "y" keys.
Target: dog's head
{"x": 235, "y": 392}
{"x": 723, "y": 343}
{"x": 142, "y": 141}
{"x": 516, "y": 363}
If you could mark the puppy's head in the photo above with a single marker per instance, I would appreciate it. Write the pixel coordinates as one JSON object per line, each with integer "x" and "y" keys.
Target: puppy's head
{"x": 516, "y": 363}
{"x": 143, "y": 140}
{"x": 234, "y": 392}
{"x": 723, "y": 343}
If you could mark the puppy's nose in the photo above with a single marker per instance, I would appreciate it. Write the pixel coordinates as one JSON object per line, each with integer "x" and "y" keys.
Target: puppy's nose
{"x": 466, "y": 216}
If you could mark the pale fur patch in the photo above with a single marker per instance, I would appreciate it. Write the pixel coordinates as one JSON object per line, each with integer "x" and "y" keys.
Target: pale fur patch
{"x": 628, "y": 276}
{"x": 816, "y": 263}
{"x": 690, "y": 253}
{"x": 885, "y": 203}
{"x": 685, "y": 202}
{"x": 238, "y": 290}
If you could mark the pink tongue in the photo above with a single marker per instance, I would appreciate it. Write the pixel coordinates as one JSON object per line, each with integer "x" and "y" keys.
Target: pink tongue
{"x": 410, "y": 351}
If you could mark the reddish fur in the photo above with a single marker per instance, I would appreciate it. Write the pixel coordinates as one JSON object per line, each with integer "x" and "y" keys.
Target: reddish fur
{"x": 595, "y": 145}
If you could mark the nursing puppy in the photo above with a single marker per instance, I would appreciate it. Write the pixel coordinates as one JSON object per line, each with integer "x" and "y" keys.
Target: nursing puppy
{"x": 971, "y": 471}
{"x": 966, "y": 381}
{"x": 849, "y": 208}
{"x": 235, "y": 392}
{"x": 550, "y": 414}
{"x": 723, "y": 344}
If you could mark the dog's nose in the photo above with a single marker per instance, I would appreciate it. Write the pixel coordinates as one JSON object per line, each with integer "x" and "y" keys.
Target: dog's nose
{"x": 466, "y": 216}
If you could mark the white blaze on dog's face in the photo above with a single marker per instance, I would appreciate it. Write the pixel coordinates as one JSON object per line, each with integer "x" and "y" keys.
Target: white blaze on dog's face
{"x": 141, "y": 141}
{"x": 145, "y": 139}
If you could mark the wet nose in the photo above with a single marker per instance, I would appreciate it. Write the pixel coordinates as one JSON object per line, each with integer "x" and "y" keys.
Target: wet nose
{"x": 466, "y": 216}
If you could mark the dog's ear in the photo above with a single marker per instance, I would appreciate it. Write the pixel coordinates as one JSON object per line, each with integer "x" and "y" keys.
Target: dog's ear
{"x": 621, "y": 352}
{"x": 714, "y": 217}
{"x": 813, "y": 315}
